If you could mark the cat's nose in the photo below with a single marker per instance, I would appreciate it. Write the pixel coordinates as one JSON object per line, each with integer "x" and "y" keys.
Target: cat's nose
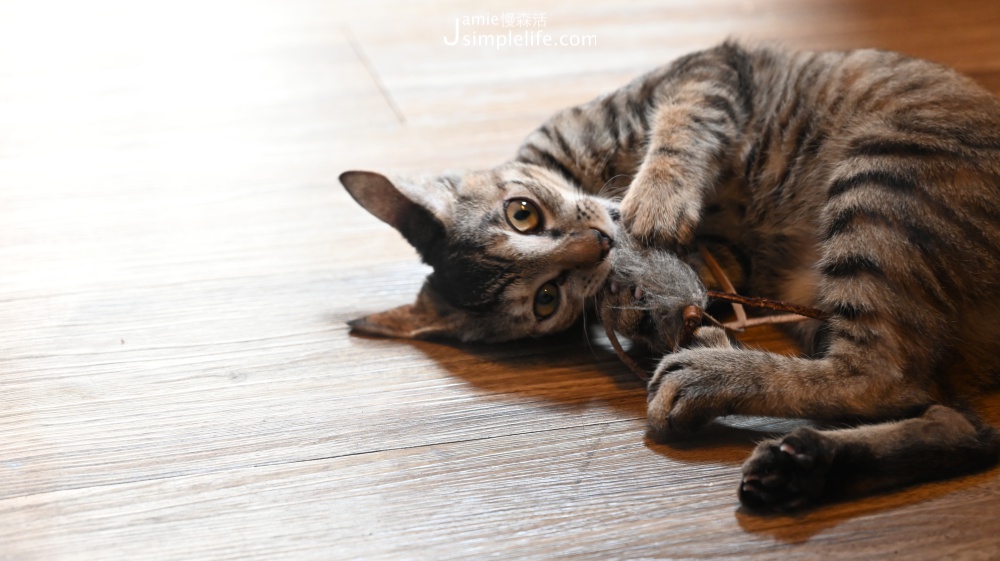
{"x": 582, "y": 250}
{"x": 604, "y": 242}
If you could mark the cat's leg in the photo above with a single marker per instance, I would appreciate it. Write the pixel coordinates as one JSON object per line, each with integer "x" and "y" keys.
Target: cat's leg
{"x": 692, "y": 387}
{"x": 889, "y": 251}
{"x": 809, "y": 466}
{"x": 700, "y": 109}
{"x": 892, "y": 346}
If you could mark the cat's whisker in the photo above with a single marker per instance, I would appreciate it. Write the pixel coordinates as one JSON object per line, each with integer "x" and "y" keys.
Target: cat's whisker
{"x": 586, "y": 332}
{"x": 612, "y": 191}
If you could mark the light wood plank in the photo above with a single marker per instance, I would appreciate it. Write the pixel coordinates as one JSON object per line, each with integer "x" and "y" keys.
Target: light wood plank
{"x": 530, "y": 496}
{"x": 205, "y": 377}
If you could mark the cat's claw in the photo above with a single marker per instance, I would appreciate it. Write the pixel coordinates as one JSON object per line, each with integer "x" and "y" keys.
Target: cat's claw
{"x": 676, "y": 405}
{"x": 683, "y": 396}
{"x": 789, "y": 473}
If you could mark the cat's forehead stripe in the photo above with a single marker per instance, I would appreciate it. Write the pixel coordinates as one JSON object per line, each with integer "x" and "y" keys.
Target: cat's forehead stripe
{"x": 517, "y": 181}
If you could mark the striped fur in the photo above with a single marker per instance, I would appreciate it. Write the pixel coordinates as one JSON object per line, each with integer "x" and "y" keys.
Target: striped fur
{"x": 864, "y": 183}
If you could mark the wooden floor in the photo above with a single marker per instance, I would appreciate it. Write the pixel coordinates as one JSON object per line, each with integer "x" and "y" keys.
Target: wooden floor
{"x": 178, "y": 260}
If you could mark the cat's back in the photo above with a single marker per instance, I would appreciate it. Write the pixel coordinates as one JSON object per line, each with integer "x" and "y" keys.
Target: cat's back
{"x": 831, "y": 107}
{"x": 852, "y": 86}
{"x": 873, "y": 125}
{"x": 884, "y": 171}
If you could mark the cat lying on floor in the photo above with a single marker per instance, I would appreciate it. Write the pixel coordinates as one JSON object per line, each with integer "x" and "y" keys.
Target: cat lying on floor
{"x": 863, "y": 183}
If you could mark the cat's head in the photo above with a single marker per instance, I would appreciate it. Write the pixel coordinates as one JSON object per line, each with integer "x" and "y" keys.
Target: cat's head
{"x": 516, "y": 251}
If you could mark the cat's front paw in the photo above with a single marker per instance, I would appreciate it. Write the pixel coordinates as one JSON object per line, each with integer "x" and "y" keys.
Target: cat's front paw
{"x": 686, "y": 392}
{"x": 658, "y": 216}
{"x": 788, "y": 473}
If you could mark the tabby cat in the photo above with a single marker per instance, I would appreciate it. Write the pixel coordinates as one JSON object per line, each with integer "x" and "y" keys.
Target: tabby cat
{"x": 864, "y": 183}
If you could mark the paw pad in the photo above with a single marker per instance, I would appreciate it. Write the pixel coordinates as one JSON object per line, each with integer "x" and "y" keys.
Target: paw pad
{"x": 787, "y": 474}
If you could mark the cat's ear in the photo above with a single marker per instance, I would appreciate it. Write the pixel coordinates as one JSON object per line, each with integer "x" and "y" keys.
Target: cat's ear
{"x": 429, "y": 317}
{"x": 419, "y": 210}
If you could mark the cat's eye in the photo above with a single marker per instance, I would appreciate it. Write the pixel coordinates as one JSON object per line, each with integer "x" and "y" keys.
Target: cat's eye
{"x": 546, "y": 300}
{"x": 523, "y": 215}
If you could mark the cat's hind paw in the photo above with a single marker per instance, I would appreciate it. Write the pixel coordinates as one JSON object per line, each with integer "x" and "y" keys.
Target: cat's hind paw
{"x": 788, "y": 473}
